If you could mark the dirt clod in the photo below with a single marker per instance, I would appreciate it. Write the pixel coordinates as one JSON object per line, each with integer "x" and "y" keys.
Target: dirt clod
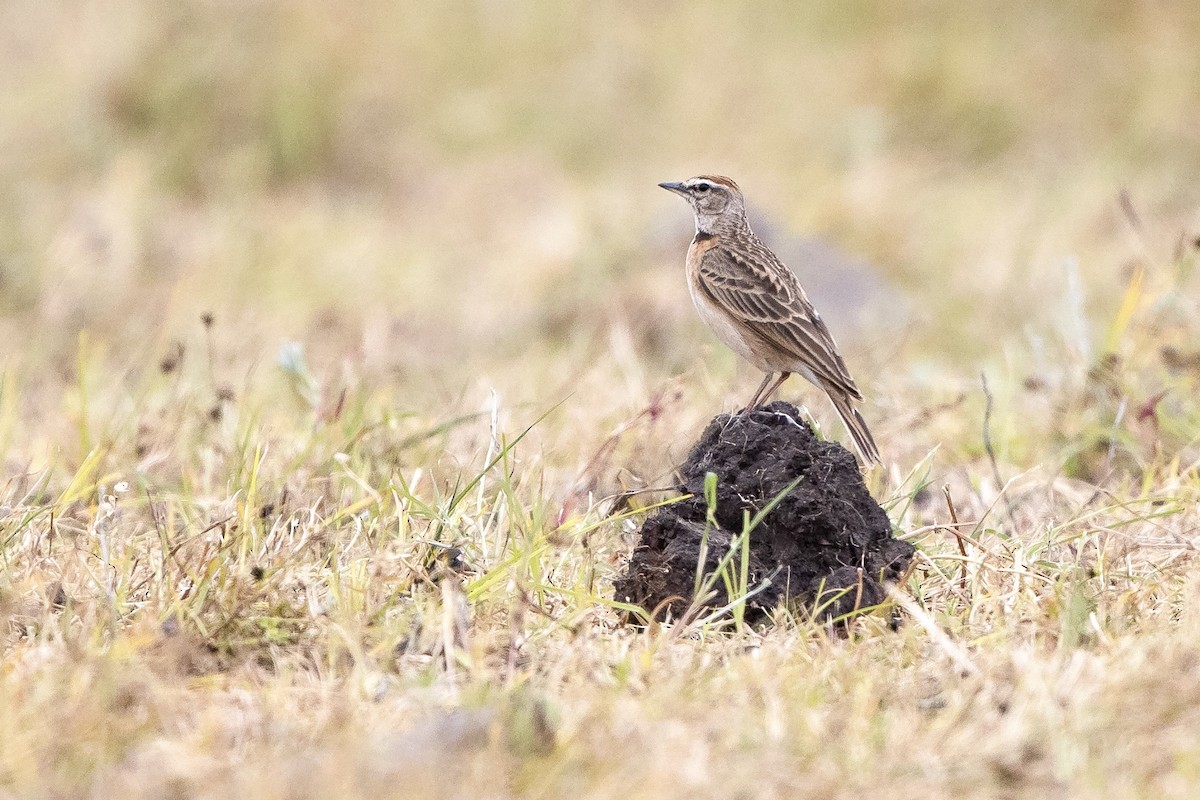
{"x": 827, "y": 537}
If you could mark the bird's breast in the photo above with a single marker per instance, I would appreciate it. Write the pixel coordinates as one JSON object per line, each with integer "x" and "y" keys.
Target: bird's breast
{"x": 730, "y": 331}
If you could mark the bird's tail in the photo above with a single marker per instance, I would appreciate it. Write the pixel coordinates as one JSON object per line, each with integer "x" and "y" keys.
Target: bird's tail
{"x": 867, "y": 449}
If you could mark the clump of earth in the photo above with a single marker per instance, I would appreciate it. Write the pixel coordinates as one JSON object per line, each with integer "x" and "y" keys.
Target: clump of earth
{"x": 826, "y": 544}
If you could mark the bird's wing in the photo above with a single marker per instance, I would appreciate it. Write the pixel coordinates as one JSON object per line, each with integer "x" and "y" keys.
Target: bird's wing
{"x": 756, "y": 289}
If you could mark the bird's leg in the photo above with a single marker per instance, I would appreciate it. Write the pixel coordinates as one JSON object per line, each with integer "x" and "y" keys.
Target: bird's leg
{"x": 783, "y": 376}
{"x": 758, "y": 395}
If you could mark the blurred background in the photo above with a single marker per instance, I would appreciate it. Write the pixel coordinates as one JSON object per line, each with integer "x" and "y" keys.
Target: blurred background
{"x": 434, "y": 200}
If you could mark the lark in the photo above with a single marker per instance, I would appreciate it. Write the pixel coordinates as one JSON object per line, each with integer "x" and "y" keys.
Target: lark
{"x": 757, "y": 307}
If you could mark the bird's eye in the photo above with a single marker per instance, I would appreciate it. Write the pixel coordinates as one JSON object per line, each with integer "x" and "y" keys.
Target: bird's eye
{"x": 703, "y": 187}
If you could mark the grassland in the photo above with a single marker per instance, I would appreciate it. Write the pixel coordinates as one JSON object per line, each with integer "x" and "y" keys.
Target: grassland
{"x": 328, "y": 333}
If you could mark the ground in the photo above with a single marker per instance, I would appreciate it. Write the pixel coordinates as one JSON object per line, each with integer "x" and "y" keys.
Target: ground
{"x": 345, "y": 350}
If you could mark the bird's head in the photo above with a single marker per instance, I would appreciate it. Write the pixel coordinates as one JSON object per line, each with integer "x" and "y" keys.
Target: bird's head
{"x": 716, "y": 201}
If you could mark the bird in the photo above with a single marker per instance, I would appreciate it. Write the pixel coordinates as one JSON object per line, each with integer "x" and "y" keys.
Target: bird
{"x": 756, "y": 306}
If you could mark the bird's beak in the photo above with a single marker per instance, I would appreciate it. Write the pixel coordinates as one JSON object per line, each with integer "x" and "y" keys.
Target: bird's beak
{"x": 675, "y": 186}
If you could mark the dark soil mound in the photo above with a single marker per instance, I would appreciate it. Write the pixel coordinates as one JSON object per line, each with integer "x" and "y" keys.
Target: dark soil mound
{"x": 815, "y": 540}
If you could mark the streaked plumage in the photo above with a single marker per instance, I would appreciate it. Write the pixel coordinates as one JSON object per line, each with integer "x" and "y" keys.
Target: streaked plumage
{"x": 757, "y": 307}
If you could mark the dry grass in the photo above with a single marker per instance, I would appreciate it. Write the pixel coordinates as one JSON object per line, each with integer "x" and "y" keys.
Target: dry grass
{"x": 379, "y": 564}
